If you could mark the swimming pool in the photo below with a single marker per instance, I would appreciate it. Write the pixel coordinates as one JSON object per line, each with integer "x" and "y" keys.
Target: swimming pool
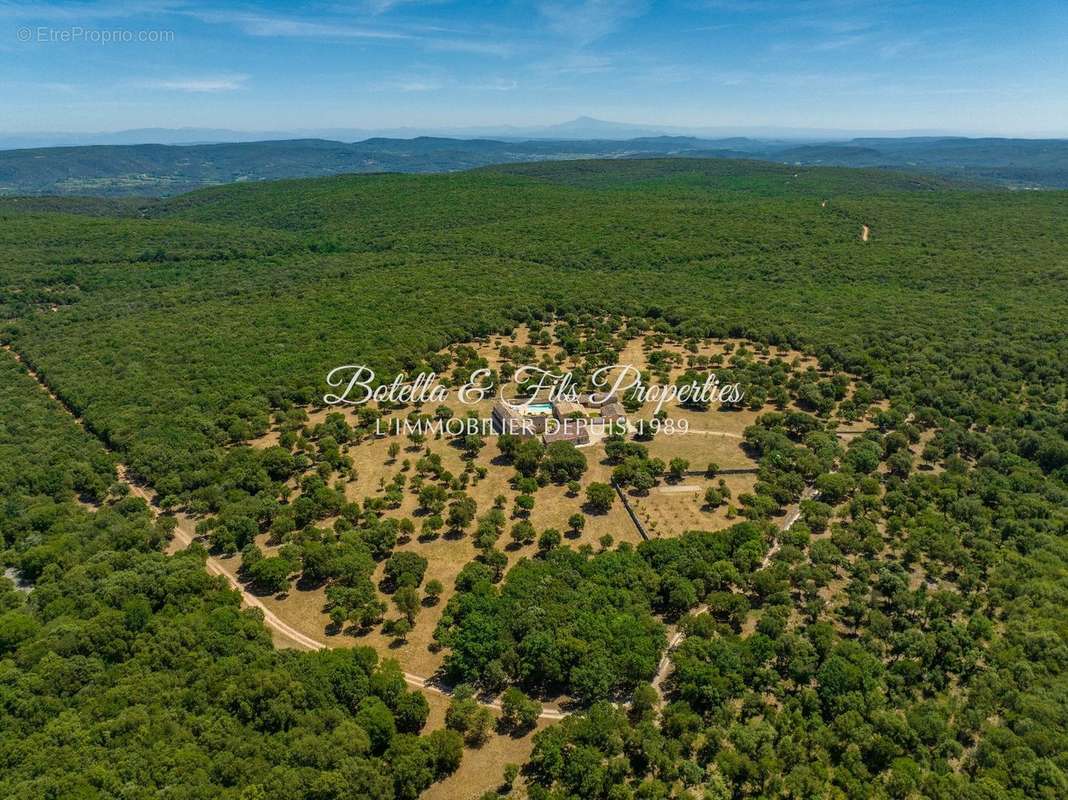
{"x": 540, "y": 408}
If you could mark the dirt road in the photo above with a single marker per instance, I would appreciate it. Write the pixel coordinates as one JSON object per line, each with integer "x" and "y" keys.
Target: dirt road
{"x": 793, "y": 514}
{"x": 185, "y": 534}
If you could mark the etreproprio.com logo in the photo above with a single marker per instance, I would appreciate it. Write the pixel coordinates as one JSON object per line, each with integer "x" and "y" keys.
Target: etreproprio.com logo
{"x": 76, "y": 34}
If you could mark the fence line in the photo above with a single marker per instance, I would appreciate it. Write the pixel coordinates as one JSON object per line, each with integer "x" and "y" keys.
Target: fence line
{"x": 630, "y": 511}
{"x": 701, "y": 473}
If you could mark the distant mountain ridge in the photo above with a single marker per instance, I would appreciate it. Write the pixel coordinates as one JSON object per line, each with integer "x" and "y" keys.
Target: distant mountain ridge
{"x": 583, "y": 127}
{"x": 168, "y": 169}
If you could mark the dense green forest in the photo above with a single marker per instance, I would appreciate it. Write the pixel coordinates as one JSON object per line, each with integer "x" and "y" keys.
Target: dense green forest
{"x": 906, "y": 639}
{"x": 127, "y": 673}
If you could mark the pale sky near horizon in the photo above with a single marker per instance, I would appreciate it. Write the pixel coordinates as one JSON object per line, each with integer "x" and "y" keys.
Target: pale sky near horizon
{"x": 970, "y": 66}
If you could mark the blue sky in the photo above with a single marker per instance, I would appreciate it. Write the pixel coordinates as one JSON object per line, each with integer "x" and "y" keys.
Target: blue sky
{"x": 962, "y": 65}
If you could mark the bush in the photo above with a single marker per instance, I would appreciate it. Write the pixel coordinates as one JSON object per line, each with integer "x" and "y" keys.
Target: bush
{"x": 600, "y": 497}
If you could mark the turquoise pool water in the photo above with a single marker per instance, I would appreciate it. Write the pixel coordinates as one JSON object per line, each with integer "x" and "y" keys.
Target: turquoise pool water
{"x": 540, "y": 408}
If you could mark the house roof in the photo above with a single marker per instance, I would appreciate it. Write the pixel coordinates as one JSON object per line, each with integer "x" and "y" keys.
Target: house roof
{"x": 503, "y": 409}
{"x": 596, "y": 399}
{"x": 564, "y": 408}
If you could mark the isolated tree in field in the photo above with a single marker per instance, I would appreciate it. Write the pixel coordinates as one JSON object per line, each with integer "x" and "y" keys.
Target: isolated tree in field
{"x": 432, "y": 498}
{"x": 713, "y": 498}
{"x": 511, "y": 772}
{"x": 405, "y": 568}
{"x": 461, "y": 513}
{"x": 549, "y": 539}
{"x": 473, "y": 443}
{"x": 394, "y": 450}
{"x": 433, "y": 590}
{"x": 407, "y": 602}
{"x": 563, "y": 462}
{"x": 432, "y": 527}
{"x": 677, "y": 468}
{"x": 508, "y": 443}
{"x": 487, "y": 533}
{"x": 397, "y": 629}
{"x": 381, "y": 537}
{"x": 864, "y": 455}
{"x": 816, "y": 514}
{"x": 600, "y": 496}
{"x": 577, "y": 522}
{"x": 524, "y": 504}
{"x": 523, "y": 532}
{"x": 900, "y": 463}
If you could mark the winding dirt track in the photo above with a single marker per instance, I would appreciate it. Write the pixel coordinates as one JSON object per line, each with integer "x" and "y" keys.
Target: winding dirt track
{"x": 792, "y": 516}
{"x": 185, "y": 534}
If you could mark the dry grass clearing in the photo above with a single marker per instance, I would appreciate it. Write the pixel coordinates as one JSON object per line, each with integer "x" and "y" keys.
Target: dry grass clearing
{"x": 482, "y": 767}
{"x": 667, "y": 510}
{"x": 714, "y": 437}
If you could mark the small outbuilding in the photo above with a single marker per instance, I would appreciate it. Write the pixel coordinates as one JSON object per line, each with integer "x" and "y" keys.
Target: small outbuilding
{"x": 614, "y": 412}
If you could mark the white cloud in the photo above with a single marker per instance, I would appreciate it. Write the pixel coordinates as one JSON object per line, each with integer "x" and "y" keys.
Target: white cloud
{"x": 576, "y": 64}
{"x": 482, "y": 48}
{"x": 210, "y": 84}
{"x": 840, "y": 43}
{"x": 383, "y": 6}
{"x": 262, "y": 25}
{"x": 409, "y": 85}
{"x": 289, "y": 27}
{"x": 590, "y": 20}
{"x": 494, "y": 85}
{"x": 432, "y": 83}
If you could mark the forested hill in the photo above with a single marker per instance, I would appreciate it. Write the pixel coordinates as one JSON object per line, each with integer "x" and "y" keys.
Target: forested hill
{"x": 167, "y": 170}
{"x": 907, "y": 637}
{"x": 153, "y": 169}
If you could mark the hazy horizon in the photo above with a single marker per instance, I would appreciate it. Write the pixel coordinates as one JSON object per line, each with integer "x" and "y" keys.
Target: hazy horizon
{"x": 578, "y": 129}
